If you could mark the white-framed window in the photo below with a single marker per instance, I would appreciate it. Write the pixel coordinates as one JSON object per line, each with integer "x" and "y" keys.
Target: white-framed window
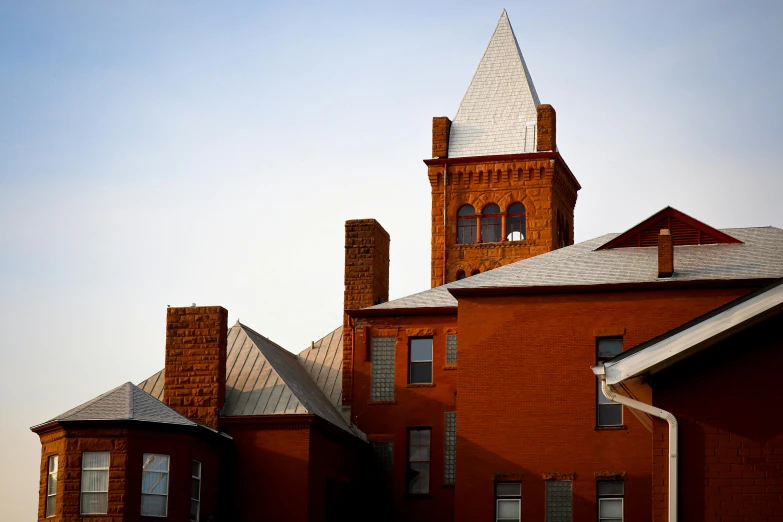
{"x": 51, "y": 485}
{"x": 508, "y": 501}
{"x": 155, "y": 485}
{"x": 195, "y": 490}
{"x": 608, "y": 413}
{"x": 95, "y": 483}
{"x": 420, "y": 361}
{"x": 610, "y": 500}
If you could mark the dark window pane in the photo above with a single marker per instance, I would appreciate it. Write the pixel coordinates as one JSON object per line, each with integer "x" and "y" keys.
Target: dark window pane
{"x": 516, "y": 208}
{"x": 460, "y": 275}
{"x": 610, "y": 414}
{"x": 610, "y": 487}
{"x": 491, "y": 209}
{"x": 466, "y": 210}
{"x": 421, "y": 349}
{"x": 608, "y": 348}
{"x": 508, "y": 489}
{"x": 421, "y": 372}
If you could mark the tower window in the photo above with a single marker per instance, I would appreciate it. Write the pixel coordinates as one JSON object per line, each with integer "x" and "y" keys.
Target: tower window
{"x": 460, "y": 275}
{"x": 491, "y": 224}
{"x": 466, "y": 224}
{"x": 516, "y": 222}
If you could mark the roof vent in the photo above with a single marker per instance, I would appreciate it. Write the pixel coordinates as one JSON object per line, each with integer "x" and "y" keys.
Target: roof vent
{"x": 665, "y": 254}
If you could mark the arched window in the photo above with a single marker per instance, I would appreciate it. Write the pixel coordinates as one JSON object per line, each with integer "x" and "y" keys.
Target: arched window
{"x": 475, "y": 272}
{"x": 516, "y": 222}
{"x": 466, "y": 224}
{"x": 491, "y": 224}
{"x": 460, "y": 275}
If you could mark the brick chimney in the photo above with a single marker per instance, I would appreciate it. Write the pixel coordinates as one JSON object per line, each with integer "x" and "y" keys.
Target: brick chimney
{"x": 441, "y": 127}
{"x": 546, "y": 128}
{"x": 366, "y": 282}
{"x": 195, "y": 375}
{"x": 665, "y": 254}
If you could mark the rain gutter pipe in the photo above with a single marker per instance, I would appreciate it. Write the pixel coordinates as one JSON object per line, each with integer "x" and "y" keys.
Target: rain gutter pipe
{"x": 661, "y": 414}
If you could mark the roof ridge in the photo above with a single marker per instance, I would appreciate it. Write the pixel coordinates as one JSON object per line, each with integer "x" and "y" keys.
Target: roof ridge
{"x": 267, "y": 339}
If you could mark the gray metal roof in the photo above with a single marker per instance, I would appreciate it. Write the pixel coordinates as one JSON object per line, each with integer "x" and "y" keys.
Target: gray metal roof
{"x": 262, "y": 378}
{"x": 324, "y": 362}
{"x": 759, "y": 256}
{"x": 497, "y": 115}
{"x": 125, "y": 402}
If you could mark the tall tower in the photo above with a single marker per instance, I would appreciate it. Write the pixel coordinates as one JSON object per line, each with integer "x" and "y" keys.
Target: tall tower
{"x": 501, "y": 192}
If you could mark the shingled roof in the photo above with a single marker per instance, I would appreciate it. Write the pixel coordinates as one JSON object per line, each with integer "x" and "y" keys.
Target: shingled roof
{"x": 263, "y": 378}
{"x": 497, "y": 115}
{"x": 125, "y": 402}
{"x": 758, "y": 256}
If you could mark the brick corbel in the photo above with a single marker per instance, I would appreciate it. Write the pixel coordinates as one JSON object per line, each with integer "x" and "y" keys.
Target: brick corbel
{"x": 559, "y": 476}
{"x": 420, "y": 332}
{"x": 610, "y": 475}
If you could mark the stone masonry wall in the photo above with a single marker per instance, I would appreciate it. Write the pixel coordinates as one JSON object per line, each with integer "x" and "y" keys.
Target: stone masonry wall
{"x": 195, "y": 373}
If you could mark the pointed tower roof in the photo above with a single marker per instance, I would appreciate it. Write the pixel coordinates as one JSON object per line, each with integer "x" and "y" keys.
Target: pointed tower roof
{"x": 498, "y": 112}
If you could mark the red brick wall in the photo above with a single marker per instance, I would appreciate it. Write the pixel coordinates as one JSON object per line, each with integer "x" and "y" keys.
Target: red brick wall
{"x": 727, "y": 401}
{"x": 546, "y": 128}
{"x": 195, "y": 373}
{"x": 127, "y": 446}
{"x": 527, "y": 395}
{"x": 413, "y": 406}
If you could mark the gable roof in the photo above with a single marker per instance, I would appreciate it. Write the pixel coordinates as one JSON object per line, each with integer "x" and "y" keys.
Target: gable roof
{"x": 323, "y": 360}
{"x": 262, "y": 378}
{"x": 497, "y": 115}
{"x": 757, "y": 255}
{"x": 684, "y": 229}
{"x": 696, "y": 335}
{"x": 125, "y": 402}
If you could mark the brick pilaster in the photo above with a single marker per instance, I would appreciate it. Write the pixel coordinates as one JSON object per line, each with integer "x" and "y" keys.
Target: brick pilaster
{"x": 441, "y": 127}
{"x": 546, "y": 128}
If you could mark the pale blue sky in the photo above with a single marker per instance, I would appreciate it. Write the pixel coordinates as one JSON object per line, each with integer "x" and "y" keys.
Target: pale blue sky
{"x": 156, "y": 153}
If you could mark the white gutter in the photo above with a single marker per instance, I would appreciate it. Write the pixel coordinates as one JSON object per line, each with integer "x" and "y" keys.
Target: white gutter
{"x": 661, "y": 414}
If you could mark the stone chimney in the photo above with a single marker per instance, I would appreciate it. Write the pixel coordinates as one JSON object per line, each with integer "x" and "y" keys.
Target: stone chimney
{"x": 366, "y": 282}
{"x": 195, "y": 374}
{"x": 665, "y": 254}
{"x": 546, "y": 128}
{"x": 441, "y": 128}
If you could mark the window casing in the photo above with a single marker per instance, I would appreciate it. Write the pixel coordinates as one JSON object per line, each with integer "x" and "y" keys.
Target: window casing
{"x": 420, "y": 371}
{"x": 418, "y": 472}
{"x": 508, "y": 501}
{"x": 516, "y": 222}
{"x": 610, "y": 500}
{"x": 51, "y": 485}
{"x": 95, "y": 483}
{"x": 491, "y": 224}
{"x": 195, "y": 490}
{"x": 155, "y": 485}
{"x": 558, "y": 501}
{"x": 466, "y": 225}
{"x": 608, "y": 413}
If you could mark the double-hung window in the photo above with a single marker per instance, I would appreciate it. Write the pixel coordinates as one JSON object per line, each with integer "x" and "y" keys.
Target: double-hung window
{"x": 610, "y": 500}
{"x": 195, "y": 490}
{"x": 608, "y": 413}
{"x": 51, "y": 486}
{"x": 508, "y": 501}
{"x": 420, "y": 361}
{"x": 155, "y": 485}
{"x": 419, "y": 461}
{"x": 95, "y": 483}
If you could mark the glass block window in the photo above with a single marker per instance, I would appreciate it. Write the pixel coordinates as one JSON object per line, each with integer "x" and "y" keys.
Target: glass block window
{"x": 610, "y": 500}
{"x": 558, "y": 501}
{"x": 450, "y": 448}
{"x": 608, "y": 413}
{"x": 155, "y": 485}
{"x": 195, "y": 490}
{"x": 418, "y": 472}
{"x": 508, "y": 502}
{"x": 451, "y": 349}
{"x": 382, "y": 380}
{"x": 95, "y": 483}
{"x": 51, "y": 486}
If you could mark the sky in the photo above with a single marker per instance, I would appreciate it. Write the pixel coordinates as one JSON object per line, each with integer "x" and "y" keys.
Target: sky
{"x": 168, "y": 153}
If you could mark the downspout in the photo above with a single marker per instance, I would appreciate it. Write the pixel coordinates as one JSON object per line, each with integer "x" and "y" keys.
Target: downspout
{"x": 661, "y": 414}
{"x": 445, "y": 215}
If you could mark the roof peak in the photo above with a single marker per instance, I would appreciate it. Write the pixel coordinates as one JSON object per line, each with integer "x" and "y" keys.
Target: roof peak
{"x": 497, "y": 114}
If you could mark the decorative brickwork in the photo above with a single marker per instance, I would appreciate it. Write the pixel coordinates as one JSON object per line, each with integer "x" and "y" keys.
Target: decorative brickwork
{"x": 545, "y": 138}
{"x": 441, "y": 126}
{"x": 366, "y": 282}
{"x": 195, "y": 372}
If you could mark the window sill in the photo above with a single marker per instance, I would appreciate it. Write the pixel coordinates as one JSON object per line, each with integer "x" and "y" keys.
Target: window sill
{"x": 450, "y": 366}
{"x": 611, "y": 428}
{"x": 421, "y": 385}
{"x": 381, "y": 403}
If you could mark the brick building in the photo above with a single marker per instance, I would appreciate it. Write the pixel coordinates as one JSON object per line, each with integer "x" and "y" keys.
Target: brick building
{"x": 471, "y": 400}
